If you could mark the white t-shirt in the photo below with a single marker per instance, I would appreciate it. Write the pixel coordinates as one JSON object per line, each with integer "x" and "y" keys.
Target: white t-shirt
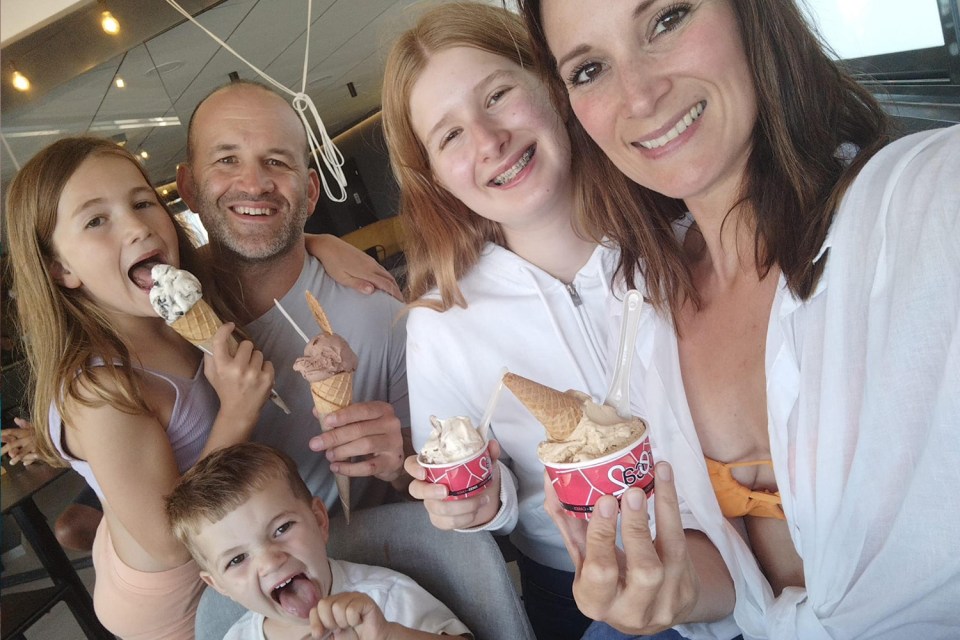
{"x": 401, "y": 599}
{"x": 863, "y": 401}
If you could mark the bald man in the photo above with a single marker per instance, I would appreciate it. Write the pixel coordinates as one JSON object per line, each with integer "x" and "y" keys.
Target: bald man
{"x": 248, "y": 178}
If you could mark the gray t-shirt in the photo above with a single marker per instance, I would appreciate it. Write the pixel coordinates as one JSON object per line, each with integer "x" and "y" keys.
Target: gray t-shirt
{"x": 371, "y": 326}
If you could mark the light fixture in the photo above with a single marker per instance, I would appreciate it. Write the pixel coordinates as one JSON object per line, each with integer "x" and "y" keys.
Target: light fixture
{"x": 109, "y": 24}
{"x": 20, "y": 81}
{"x": 120, "y": 83}
{"x": 144, "y": 154}
{"x": 164, "y": 192}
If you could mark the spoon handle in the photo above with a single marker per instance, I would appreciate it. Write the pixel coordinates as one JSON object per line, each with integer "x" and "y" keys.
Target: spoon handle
{"x": 619, "y": 394}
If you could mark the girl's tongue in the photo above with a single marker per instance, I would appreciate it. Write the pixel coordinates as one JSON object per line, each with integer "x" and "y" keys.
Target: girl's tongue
{"x": 140, "y": 273}
{"x": 299, "y": 597}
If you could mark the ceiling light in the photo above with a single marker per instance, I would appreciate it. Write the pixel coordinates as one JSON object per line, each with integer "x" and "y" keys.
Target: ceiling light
{"x": 120, "y": 83}
{"x": 110, "y": 24}
{"x": 144, "y": 154}
{"x": 20, "y": 81}
{"x": 164, "y": 192}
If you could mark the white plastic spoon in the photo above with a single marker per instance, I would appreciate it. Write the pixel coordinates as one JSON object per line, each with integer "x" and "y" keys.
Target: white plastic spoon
{"x": 619, "y": 395}
{"x": 484, "y": 428}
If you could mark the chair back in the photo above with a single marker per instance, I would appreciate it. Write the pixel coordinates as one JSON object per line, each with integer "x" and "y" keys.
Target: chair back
{"x": 465, "y": 571}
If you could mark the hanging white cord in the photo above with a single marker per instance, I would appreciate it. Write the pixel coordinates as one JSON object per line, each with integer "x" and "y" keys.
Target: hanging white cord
{"x": 16, "y": 165}
{"x": 322, "y": 148}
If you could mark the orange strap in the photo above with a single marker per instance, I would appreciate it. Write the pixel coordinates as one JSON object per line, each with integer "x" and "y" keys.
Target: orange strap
{"x": 735, "y": 499}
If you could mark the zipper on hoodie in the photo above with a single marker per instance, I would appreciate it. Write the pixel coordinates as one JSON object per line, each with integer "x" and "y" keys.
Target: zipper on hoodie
{"x": 572, "y": 290}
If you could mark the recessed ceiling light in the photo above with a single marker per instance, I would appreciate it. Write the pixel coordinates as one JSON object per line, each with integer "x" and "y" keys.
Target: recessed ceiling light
{"x": 144, "y": 154}
{"x": 20, "y": 81}
{"x": 120, "y": 83}
{"x": 109, "y": 24}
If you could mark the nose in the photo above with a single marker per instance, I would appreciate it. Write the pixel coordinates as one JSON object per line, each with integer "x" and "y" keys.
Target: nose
{"x": 253, "y": 178}
{"x": 135, "y": 227}
{"x": 491, "y": 139}
{"x": 271, "y": 559}
{"x": 641, "y": 86}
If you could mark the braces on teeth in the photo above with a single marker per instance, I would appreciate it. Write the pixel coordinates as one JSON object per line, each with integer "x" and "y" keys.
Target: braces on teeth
{"x": 512, "y": 172}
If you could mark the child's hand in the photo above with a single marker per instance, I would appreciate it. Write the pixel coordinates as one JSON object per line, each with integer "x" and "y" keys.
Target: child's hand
{"x": 349, "y": 616}
{"x": 20, "y": 443}
{"x": 242, "y": 380}
{"x": 456, "y": 514}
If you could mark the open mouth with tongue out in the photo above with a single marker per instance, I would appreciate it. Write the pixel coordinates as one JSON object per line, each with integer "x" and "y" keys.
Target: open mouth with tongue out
{"x": 296, "y": 595}
{"x": 139, "y": 273}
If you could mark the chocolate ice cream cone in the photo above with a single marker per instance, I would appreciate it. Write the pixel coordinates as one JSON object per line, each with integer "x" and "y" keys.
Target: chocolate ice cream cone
{"x": 558, "y": 412}
{"x": 332, "y": 394}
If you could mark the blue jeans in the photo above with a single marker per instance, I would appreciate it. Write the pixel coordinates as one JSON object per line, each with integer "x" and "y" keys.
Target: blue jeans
{"x": 548, "y": 601}
{"x": 602, "y": 631}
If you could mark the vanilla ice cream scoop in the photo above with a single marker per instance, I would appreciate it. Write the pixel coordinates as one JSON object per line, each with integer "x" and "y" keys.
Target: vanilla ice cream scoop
{"x": 600, "y": 432}
{"x": 451, "y": 440}
{"x": 325, "y": 356}
{"x": 174, "y": 292}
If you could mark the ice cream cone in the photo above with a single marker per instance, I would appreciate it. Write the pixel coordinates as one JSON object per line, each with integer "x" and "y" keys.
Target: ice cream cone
{"x": 332, "y": 394}
{"x": 558, "y": 412}
{"x": 199, "y": 324}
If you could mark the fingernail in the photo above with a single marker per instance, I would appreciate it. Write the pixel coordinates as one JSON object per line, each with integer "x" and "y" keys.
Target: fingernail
{"x": 607, "y": 508}
{"x": 484, "y": 500}
{"x": 664, "y": 472}
{"x": 634, "y": 499}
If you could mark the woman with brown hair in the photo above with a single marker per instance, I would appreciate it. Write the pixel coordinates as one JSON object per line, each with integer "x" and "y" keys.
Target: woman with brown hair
{"x": 800, "y": 370}
{"x": 499, "y": 275}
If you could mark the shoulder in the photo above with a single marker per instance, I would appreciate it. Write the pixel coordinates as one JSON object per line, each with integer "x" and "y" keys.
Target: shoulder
{"x": 925, "y": 161}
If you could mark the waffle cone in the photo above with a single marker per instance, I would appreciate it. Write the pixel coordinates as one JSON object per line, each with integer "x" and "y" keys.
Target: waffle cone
{"x": 558, "y": 412}
{"x": 331, "y": 394}
{"x": 199, "y": 324}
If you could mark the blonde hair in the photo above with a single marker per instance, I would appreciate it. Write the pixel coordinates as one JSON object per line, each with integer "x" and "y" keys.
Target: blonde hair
{"x": 65, "y": 331}
{"x": 223, "y": 481}
{"x": 443, "y": 236}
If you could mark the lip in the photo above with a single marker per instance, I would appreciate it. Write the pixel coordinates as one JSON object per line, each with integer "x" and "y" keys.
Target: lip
{"x": 679, "y": 140}
{"x": 156, "y": 253}
{"x": 512, "y": 162}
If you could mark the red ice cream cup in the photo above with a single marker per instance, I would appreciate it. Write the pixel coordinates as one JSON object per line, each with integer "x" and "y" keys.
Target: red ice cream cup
{"x": 580, "y": 484}
{"x": 463, "y": 478}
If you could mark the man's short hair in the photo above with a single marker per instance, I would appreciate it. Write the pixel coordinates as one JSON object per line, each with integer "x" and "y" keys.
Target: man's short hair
{"x": 226, "y": 87}
{"x": 223, "y": 481}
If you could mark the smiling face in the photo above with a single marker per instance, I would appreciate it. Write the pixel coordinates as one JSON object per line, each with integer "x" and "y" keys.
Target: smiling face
{"x": 269, "y": 554}
{"x": 110, "y": 229}
{"x": 248, "y": 176}
{"x": 664, "y": 89}
{"x": 492, "y": 136}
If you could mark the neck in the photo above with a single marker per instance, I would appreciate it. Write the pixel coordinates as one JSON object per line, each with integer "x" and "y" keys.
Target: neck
{"x": 261, "y": 282}
{"x": 551, "y": 244}
{"x": 724, "y": 248}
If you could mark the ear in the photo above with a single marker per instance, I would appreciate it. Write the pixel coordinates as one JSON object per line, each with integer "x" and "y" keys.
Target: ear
{"x": 186, "y": 186}
{"x": 211, "y": 582}
{"x": 63, "y": 276}
{"x": 323, "y": 518}
{"x": 313, "y": 188}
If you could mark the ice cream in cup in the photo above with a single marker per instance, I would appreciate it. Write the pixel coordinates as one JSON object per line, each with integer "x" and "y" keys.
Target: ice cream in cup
{"x": 456, "y": 456}
{"x": 590, "y": 451}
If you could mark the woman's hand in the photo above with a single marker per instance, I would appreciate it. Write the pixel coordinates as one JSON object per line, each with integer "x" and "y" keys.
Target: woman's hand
{"x": 20, "y": 443}
{"x": 650, "y": 585}
{"x": 470, "y": 512}
{"x": 351, "y": 267}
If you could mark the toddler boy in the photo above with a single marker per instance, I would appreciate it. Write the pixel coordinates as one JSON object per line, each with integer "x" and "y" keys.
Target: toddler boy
{"x": 260, "y": 538}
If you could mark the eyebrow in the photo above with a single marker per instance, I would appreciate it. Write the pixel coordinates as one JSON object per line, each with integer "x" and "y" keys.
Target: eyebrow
{"x": 92, "y": 202}
{"x": 638, "y": 11}
{"x": 479, "y": 88}
{"x": 273, "y": 151}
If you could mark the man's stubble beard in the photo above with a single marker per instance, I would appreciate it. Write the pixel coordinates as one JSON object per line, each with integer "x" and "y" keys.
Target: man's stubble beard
{"x": 249, "y": 249}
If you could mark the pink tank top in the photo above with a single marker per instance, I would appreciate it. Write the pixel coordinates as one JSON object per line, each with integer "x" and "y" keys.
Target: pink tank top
{"x": 194, "y": 410}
